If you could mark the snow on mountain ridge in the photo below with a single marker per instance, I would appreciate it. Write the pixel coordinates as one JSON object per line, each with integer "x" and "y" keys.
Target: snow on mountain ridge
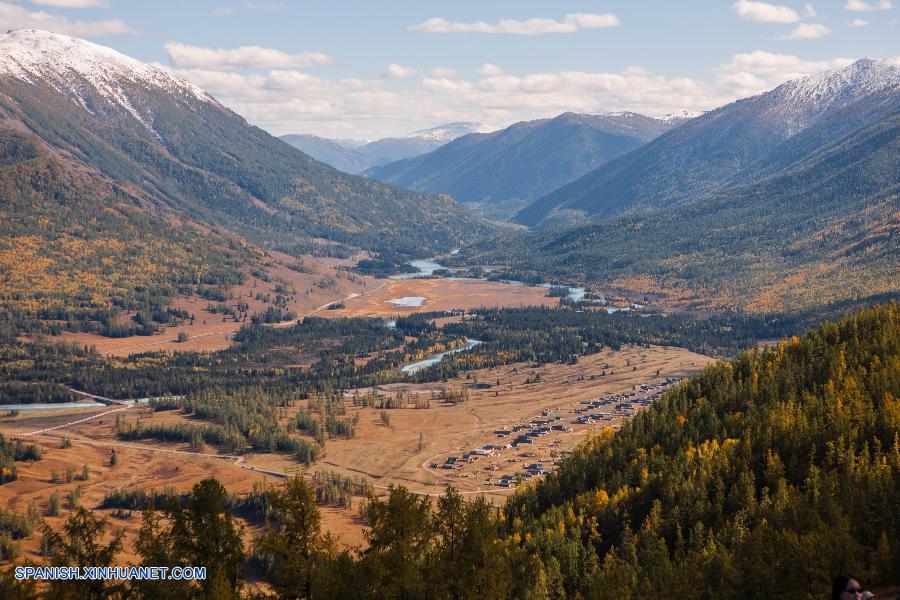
{"x": 448, "y": 132}
{"x": 856, "y": 80}
{"x": 801, "y": 101}
{"x": 66, "y": 63}
{"x": 681, "y": 116}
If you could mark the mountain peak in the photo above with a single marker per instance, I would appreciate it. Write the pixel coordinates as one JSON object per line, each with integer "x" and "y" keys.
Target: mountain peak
{"x": 733, "y": 145}
{"x": 66, "y": 63}
{"x": 858, "y": 79}
{"x": 448, "y": 132}
{"x": 622, "y": 114}
{"x": 684, "y": 115}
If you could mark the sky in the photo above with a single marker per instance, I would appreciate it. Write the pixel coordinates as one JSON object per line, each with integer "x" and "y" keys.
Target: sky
{"x": 378, "y": 68}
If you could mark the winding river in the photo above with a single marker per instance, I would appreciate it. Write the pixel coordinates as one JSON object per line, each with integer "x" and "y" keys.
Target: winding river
{"x": 434, "y": 359}
{"x": 50, "y": 406}
{"x": 426, "y": 268}
{"x": 67, "y": 405}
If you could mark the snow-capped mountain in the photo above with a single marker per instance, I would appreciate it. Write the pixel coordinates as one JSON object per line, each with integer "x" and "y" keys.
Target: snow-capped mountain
{"x": 449, "y": 132}
{"x": 357, "y": 158}
{"x": 69, "y": 64}
{"x": 800, "y": 102}
{"x": 857, "y": 80}
{"x": 174, "y": 147}
{"x": 735, "y": 144}
{"x": 681, "y": 116}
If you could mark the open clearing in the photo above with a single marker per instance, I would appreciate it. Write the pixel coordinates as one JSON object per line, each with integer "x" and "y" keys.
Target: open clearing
{"x": 140, "y": 465}
{"x": 311, "y": 292}
{"x": 315, "y": 291}
{"x": 442, "y": 295}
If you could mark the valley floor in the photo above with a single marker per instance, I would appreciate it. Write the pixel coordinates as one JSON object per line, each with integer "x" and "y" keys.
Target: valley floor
{"x": 382, "y": 454}
{"x": 409, "y": 451}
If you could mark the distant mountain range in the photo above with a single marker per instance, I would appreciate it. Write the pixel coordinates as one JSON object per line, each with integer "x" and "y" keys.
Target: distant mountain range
{"x": 501, "y": 172}
{"x": 340, "y": 154}
{"x": 355, "y": 156}
{"x": 795, "y": 196}
{"x": 742, "y": 142}
{"x": 121, "y": 184}
{"x": 173, "y": 145}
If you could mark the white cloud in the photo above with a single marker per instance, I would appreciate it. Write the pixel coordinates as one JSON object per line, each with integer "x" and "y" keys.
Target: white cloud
{"x": 13, "y": 16}
{"x": 751, "y": 73}
{"x": 863, "y": 6}
{"x": 291, "y": 101}
{"x": 222, "y": 11}
{"x": 73, "y": 3}
{"x": 809, "y": 11}
{"x": 808, "y": 31}
{"x": 593, "y": 21}
{"x": 742, "y": 83}
{"x": 288, "y": 101}
{"x": 442, "y": 72}
{"x": 396, "y": 71}
{"x": 250, "y": 57}
{"x": 858, "y": 23}
{"x": 765, "y": 13}
{"x": 489, "y": 69}
{"x": 535, "y": 26}
{"x": 770, "y": 63}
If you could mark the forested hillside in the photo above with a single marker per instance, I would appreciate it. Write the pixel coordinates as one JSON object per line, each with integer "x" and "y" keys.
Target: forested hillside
{"x": 124, "y": 185}
{"x": 75, "y": 250}
{"x": 499, "y": 173}
{"x": 823, "y": 231}
{"x": 762, "y": 478}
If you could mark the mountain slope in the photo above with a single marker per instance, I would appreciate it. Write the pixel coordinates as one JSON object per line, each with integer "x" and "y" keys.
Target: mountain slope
{"x": 174, "y": 145}
{"x": 823, "y": 230}
{"x": 503, "y": 171}
{"x": 331, "y": 152}
{"x": 74, "y": 249}
{"x": 388, "y": 150}
{"x": 357, "y": 157}
{"x": 738, "y": 143}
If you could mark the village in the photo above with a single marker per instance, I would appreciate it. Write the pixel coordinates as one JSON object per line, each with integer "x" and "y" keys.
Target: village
{"x": 534, "y": 447}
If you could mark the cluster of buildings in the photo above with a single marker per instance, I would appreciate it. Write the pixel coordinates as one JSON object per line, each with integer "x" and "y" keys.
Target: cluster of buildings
{"x": 525, "y": 433}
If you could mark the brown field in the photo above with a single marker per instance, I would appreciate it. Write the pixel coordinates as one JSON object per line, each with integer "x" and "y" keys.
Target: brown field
{"x": 135, "y": 469}
{"x": 213, "y": 331}
{"x": 383, "y": 454}
{"x": 362, "y": 296}
{"x": 139, "y": 465}
{"x": 440, "y": 295}
{"x": 390, "y": 454}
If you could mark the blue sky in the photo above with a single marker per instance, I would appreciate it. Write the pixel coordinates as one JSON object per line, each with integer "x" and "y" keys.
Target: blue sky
{"x": 368, "y": 69}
